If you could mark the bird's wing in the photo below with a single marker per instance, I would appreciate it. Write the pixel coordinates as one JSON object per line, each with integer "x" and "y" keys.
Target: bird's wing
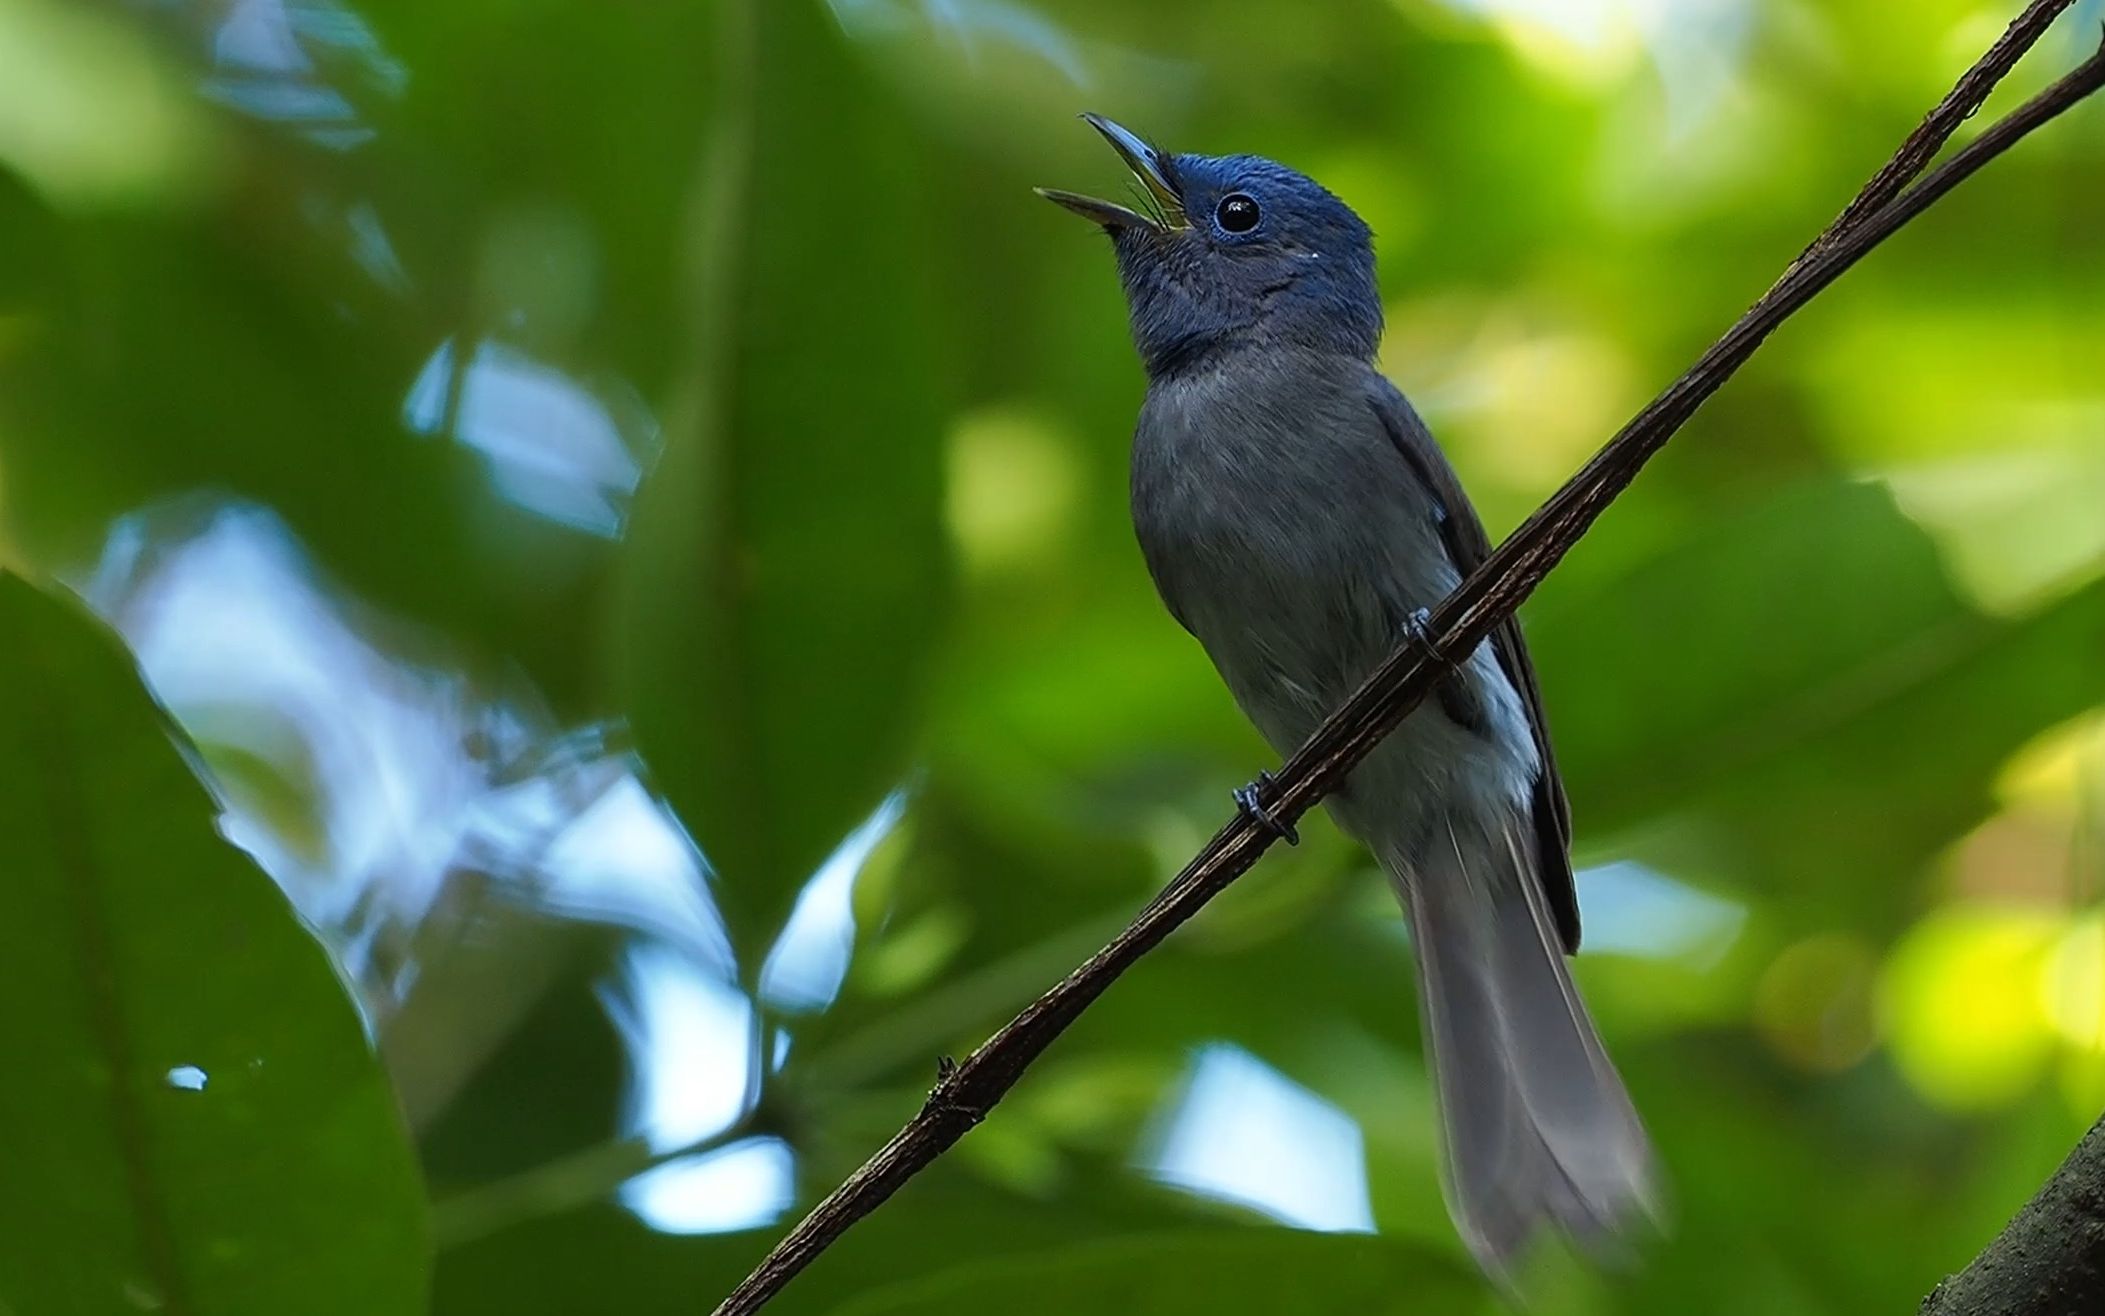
{"x": 1468, "y": 546}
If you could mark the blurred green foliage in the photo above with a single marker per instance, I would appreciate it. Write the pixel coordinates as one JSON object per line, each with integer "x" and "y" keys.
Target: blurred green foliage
{"x": 200, "y": 1125}
{"x": 763, "y": 708}
{"x": 487, "y": 422}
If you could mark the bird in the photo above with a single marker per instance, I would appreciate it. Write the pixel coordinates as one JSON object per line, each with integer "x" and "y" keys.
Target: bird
{"x": 1298, "y": 518}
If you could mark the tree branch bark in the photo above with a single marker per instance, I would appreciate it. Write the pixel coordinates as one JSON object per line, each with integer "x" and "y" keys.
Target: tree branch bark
{"x": 963, "y": 1094}
{"x": 2050, "y": 1260}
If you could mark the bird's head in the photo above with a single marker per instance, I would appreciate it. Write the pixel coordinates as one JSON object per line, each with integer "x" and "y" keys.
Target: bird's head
{"x": 1233, "y": 250}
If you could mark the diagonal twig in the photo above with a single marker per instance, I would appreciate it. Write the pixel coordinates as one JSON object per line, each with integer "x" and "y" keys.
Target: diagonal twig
{"x": 963, "y": 1094}
{"x": 1959, "y": 105}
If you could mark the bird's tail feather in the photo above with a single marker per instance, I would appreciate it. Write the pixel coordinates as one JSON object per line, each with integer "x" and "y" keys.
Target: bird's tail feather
{"x": 1538, "y": 1127}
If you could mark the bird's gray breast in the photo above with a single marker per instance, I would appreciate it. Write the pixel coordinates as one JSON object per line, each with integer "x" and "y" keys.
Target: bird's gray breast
{"x": 1284, "y": 530}
{"x": 1281, "y": 526}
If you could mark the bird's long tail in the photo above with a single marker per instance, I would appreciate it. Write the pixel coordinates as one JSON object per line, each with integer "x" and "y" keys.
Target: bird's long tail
{"x": 1538, "y": 1127}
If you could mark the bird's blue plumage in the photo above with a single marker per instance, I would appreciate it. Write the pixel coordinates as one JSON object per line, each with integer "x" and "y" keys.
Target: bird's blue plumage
{"x": 1304, "y": 275}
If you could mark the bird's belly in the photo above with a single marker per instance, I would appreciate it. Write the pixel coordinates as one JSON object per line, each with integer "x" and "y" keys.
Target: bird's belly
{"x": 1296, "y": 586}
{"x": 1297, "y": 599}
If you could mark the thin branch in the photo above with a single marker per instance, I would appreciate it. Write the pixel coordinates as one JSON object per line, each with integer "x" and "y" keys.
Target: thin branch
{"x": 1958, "y": 105}
{"x": 2050, "y": 1260}
{"x": 964, "y": 1093}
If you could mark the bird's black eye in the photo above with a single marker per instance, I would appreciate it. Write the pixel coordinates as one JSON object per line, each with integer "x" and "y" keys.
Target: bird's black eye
{"x": 1237, "y": 212}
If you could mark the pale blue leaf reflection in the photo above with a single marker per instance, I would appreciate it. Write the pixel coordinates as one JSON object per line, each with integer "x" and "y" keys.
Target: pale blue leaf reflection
{"x": 551, "y": 446}
{"x": 741, "y": 1186}
{"x": 268, "y": 56}
{"x": 1242, "y": 1132}
{"x": 221, "y": 608}
{"x": 689, "y": 1036}
{"x": 372, "y": 249}
{"x": 187, "y": 1078}
{"x": 804, "y": 969}
{"x": 623, "y": 860}
{"x": 1634, "y": 910}
{"x": 257, "y": 37}
{"x": 412, "y": 773}
{"x": 691, "y": 1044}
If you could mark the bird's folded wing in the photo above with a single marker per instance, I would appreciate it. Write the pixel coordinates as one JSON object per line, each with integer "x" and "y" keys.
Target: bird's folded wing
{"x": 1469, "y": 545}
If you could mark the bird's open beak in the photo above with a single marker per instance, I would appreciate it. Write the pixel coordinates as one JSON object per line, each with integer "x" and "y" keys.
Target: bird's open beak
{"x": 1152, "y": 170}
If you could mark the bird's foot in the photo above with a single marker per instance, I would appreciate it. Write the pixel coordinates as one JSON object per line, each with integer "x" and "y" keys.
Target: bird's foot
{"x": 1246, "y": 800}
{"x": 1418, "y": 630}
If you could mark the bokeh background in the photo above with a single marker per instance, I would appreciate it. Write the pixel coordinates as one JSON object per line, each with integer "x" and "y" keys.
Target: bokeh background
{"x": 627, "y": 501}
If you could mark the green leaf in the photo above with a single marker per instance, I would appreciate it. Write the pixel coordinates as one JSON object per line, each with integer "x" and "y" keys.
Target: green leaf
{"x": 562, "y": 1264}
{"x": 786, "y": 566}
{"x": 1215, "y": 1271}
{"x": 1802, "y": 689}
{"x": 1850, "y": 814}
{"x": 197, "y": 1124}
{"x": 1758, "y": 631}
